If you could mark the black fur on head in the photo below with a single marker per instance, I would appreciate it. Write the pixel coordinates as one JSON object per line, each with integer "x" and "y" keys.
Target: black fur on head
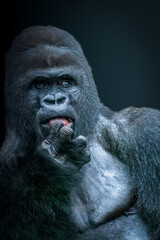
{"x": 46, "y": 47}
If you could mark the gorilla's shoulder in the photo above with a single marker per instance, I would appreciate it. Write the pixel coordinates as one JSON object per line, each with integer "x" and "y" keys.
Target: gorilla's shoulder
{"x": 140, "y": 120}
{"x": 133, "y": 130}
{"x": 131, "y": 118}
{"x": 132, "y": 114}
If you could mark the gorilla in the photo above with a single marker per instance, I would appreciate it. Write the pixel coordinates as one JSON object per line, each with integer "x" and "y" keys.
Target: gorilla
{"x": 71, "y": 168}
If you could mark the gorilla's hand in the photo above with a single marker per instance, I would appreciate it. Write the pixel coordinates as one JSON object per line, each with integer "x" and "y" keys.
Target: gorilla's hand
{"x": 62, "y": 149}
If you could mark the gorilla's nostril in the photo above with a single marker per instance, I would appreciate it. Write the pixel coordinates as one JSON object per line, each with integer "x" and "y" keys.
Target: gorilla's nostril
{"x": 48, "y": 100}
{"x": 61, "y": 100}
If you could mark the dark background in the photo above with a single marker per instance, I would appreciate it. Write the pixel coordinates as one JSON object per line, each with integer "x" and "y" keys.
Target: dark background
{"x": 121, "y": 40}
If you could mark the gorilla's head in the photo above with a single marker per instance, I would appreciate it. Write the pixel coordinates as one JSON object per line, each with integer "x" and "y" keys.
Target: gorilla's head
{"x": 48, "y": 78}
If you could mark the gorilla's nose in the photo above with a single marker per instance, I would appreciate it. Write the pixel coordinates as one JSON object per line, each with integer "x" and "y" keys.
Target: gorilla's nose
{"x": 51, "y": 99}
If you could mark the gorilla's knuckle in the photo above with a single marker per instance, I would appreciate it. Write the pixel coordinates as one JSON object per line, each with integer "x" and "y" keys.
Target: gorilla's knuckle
{"x": 66, "y": 133}
{"x": 55, "y": 127}
{"x": 80, "y": 142}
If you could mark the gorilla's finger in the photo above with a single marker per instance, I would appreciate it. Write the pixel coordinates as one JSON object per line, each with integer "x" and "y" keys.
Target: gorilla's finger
{"x": 66, "y": 134}
{"x": 55, "y": 128}
{"x": 48, "y": 148}
{"x": 80, "y": 142}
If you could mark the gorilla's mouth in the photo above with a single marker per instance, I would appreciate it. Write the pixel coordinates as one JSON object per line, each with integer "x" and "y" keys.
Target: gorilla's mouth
{"x": 65, "y": 120}
{"x": 46, "y": 120}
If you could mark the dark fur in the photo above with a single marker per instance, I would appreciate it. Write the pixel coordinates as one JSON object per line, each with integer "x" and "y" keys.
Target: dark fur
{"x": 41, "y": 169}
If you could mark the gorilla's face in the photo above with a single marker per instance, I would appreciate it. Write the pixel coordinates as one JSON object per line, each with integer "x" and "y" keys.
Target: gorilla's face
{"x": 47, "y": 80}
{"x": 54, "y": 94}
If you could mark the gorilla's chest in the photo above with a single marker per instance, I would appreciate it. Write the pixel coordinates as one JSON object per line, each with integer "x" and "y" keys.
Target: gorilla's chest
{"x": 104, "y": 191}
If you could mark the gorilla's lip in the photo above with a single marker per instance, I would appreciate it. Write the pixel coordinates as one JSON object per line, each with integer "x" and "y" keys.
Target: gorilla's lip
{"x": 66, "y": 120}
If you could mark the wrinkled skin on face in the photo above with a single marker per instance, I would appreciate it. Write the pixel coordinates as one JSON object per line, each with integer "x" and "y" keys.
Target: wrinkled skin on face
{"x": 70, "y": 168}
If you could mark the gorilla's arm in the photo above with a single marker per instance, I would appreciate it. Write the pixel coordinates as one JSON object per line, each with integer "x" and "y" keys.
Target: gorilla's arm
{"x": 134, "y": 137}
{"x": 35, "y": 188}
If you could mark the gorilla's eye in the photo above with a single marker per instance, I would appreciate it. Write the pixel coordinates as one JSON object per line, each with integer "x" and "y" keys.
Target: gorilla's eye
{"x": 65, "y": 84}
{"x": 66, "y": 81}
{"x": 41, "y": 85}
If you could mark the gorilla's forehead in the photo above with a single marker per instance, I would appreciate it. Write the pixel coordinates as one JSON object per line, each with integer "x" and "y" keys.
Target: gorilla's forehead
{"x": 46, "y": 56}
{"x": 56, "y": 72}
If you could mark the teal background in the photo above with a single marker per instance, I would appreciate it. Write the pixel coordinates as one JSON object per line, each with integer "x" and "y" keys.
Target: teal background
{"x": 121, "y": 40}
